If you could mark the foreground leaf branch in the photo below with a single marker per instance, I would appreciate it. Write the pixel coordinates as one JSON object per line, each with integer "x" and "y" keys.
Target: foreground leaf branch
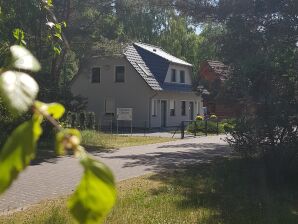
{"x": 96, "y": 194}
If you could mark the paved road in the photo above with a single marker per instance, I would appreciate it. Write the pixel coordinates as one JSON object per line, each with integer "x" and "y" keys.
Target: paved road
{"x": 59, "y": 177}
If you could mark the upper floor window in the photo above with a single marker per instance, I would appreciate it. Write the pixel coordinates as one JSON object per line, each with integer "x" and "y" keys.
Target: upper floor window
{"x": 119, "y": 74}
{"x": 182, "y": 76}
{"x": 173, "y": 76}
{"x": 95, "y": 76}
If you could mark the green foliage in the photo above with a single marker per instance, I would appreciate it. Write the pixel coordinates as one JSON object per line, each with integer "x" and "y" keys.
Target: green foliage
{"x": 199, "y": 126}
{"x": 95, "y": 195}
{"x": 56, "y": 110}
{"x": 18, "y": 151}
{"x": 19, "y": 35}
{"x": 19, "y": 91}
{"x": 61, "y": 143}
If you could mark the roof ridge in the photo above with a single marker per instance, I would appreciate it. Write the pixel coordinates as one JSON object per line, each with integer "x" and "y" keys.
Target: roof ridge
{"x": 150, "y": 45}
{"x": 164, "y": 54}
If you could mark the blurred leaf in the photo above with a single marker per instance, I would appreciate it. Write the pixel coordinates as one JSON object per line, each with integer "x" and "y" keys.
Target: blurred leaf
{"x": 56, "y": 110}
{"x": 95, "y": 195}
{"x": 18, "y": 151}
{"x": 57, "y": 50}
{"x": 48, "y": 2}
{"x": 23, "y": 59}
{"x": 58, "y": 35}
{"x": 60, "y": 138}
{"x": 18, "y": 90}
{"x": 19, "y": 35}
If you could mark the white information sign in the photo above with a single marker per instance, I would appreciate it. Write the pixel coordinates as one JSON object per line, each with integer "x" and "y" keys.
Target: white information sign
{"x": 124, "y": 114}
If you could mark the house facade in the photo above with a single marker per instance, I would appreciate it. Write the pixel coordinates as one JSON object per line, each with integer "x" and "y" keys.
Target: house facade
{"x": 156, "y": 85}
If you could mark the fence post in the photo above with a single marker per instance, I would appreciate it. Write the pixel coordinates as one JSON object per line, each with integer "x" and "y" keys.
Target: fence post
{"x": 182, "y": 129}
{"x": 195, "y": 128}
{"x": 206, "y": 127}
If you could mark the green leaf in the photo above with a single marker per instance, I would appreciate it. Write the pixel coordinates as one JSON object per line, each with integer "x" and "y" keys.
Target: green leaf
{"x": 19, "y": 35}
{"x": 56, "y": 110}
{"x": 58, "y": 35}
{"x": 60, "y": 137}
{"x": 23, "y": 59}
{"x": 18, "y": 151}
{"x": 95, "y": 195}
{"x": 18, "y": 90}
{"x": 57, "y": 50}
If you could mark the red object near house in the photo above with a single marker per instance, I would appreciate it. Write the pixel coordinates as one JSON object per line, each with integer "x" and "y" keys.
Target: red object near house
{"x": 213, "y": 74}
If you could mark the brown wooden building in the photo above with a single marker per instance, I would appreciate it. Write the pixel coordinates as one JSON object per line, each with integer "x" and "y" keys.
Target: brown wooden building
{"x": 213, "y": 75}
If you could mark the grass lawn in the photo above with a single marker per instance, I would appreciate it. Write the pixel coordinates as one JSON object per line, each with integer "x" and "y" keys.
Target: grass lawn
{"x": 94, "y": 141}
{"x": 98, "y": 140}
{"x": 227, "y": 191}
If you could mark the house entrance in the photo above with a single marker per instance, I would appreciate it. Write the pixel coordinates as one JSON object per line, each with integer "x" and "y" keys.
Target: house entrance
{"x": 163, "y": 105}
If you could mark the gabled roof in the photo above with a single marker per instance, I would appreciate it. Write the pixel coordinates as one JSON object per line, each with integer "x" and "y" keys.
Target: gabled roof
{"x": 220, "y": 69}
{"x": 137, "y": 62}
{"x": 152, "y": 63}
{"x": 163, "y": 54}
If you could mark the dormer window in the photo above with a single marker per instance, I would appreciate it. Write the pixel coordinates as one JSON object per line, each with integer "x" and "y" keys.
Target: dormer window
{"x": 173, "y": 76}
{"x": 182, "y": 76}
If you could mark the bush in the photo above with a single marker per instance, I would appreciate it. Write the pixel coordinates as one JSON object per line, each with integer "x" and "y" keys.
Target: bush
{"x": 81, "y": 120}
{"x": 199, "y": 126}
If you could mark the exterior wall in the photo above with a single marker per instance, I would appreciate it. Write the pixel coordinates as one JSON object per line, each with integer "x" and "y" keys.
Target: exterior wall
{"x": 133, "y": 93}
{"x": 178, "y": 68}
{"x": 174, "y": 121}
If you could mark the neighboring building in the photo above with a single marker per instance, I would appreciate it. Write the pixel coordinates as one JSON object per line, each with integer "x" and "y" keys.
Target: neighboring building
{"x": 157, "y": 85}
{"x": 213, "y": 74}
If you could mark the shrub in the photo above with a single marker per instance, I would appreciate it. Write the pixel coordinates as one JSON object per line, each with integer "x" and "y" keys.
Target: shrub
{"x": 199, "y": 118}
{"x": 199, "y": 126}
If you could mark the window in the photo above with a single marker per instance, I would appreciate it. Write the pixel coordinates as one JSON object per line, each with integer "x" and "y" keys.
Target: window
{"x": 95, "y": 78}
{"x": 154, "y": 108}
{"x": 182, "y": 76}
{"x": 183, "y": 108}
{"x": 172, "y": 107}
{"x": 119, "y": 76}
{"x": 109, "y": 106}
{"x": 173, "y": 77}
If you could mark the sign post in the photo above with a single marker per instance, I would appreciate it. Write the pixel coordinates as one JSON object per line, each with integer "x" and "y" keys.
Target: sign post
{"x": 124, "y": 114}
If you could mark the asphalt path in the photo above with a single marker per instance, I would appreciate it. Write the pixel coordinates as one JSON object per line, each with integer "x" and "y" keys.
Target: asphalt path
{"x": 58, "y": 177}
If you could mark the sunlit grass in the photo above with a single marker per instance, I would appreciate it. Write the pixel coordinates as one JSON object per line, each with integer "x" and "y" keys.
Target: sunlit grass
{"x": 99, "y": 140}
{"x": 227, "y": 191}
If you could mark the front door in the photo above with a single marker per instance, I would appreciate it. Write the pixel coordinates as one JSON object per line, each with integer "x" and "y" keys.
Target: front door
{"x": 191, "y": 111}
{"x": 163, "y": 113}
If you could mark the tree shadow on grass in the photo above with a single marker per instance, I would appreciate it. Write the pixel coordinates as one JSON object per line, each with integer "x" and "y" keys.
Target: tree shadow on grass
{"x": 208, "y": 176}
{"x": 237, "y": 189}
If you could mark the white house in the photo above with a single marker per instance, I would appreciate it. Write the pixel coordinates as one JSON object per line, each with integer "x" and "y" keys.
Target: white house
{"x": 156, "y": 85}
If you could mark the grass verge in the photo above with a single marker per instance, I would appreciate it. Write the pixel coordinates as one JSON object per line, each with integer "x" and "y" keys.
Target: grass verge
{"x": 98, "y": 140}
{"x": 226, "y": 191}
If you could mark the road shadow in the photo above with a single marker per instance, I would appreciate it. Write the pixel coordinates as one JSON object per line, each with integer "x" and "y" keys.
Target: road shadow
{"x": 46, "y": 153}
{"x": 165, "y": 161}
